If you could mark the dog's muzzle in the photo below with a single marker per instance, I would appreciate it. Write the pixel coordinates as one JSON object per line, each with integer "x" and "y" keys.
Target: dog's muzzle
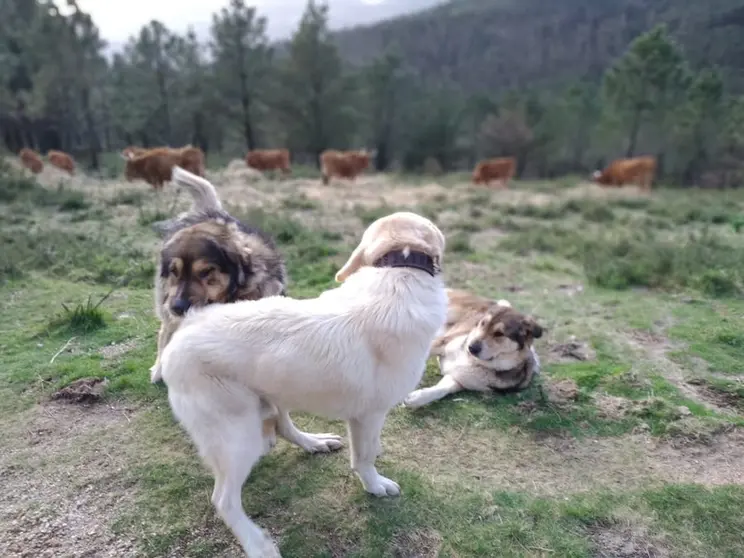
{"x": 180, "y": 306}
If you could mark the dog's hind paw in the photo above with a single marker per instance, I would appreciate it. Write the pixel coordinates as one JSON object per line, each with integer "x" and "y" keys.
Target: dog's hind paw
{"x": 322, "y": 443}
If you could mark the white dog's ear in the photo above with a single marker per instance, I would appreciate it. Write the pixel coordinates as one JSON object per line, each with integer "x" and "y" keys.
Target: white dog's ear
{"x": 364, "y": 254}
{"x": 355, "y": 261}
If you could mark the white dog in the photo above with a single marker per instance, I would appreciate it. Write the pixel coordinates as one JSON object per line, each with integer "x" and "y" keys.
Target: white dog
{"x": 353, "y": 353}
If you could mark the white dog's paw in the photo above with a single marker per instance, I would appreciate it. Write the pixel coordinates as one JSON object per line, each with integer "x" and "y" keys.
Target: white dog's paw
{"x": 382, "y": 487}
{"x": 414, "y": 399}
{"x": 322, "y": 443}
{"x": 156, "y": 373}
{"x": 267, "y": 549}
{"x": 503, "y": 302}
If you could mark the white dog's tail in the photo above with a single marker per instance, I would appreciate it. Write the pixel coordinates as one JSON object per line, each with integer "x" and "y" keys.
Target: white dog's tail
{"x": 204, "y": 193}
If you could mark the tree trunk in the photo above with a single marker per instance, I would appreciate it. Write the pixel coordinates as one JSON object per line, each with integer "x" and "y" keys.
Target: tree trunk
{"x": 165, "y": 103}
{"x": 90, "y": 124}
{"x": 634, "y": 130}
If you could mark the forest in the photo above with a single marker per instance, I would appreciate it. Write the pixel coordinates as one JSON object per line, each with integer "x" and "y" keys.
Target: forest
{"x": 563, "y": 86}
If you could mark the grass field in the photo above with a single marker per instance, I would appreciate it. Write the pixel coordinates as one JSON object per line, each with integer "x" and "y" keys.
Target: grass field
{"x": 629, "y": 445}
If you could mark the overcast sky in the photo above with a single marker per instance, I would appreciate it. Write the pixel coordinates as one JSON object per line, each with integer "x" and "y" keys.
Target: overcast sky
{"x": 119, "y": 19}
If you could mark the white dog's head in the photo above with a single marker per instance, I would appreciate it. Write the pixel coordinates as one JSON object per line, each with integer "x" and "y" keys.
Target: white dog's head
{"x": 402, "y": 231}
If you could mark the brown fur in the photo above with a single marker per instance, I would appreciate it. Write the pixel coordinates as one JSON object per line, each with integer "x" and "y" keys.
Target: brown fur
{"x": 500, "y": 170}
{"x": 62, "y": 161}
{"x": 155, "y": 166}
{"x": 31, "y": 160}
{"x": 343, "y": 164}
{"x": 210, "y": 257}
{"x": 131, "y": 151}
{"x": 638, "y": 170}
{"x": 268, "y": 160}
{"x": 484, "y": 346}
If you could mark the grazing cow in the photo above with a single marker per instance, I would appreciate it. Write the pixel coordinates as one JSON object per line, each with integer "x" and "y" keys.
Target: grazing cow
{"x": 132, "y": 150}
{"x": 154, "y": 166}
{"x": 269, "y": 160}
{"x": 638, "y": 170}
{"x": 500, "y": 170}
{"x": 344, "y": 164}
{"x": 31, "y": 160}
{"x": 62, "y": 161}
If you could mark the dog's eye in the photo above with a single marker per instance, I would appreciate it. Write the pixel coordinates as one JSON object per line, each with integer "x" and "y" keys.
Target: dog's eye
{"x": 173, "y": 270}
{"x": 498, "y": 334}
{"x": 205, "y": 273}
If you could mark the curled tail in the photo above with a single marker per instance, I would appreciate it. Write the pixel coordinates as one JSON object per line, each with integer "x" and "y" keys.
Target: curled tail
{"x": 204, "y": 193}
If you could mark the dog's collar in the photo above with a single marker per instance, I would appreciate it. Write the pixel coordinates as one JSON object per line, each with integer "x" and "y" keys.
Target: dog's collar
{"x": 415, "y": 260}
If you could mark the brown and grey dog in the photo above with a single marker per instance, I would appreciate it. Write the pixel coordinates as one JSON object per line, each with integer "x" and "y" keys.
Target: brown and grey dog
{"x": 484, "y": 346}
{"x": 209, "y": 256}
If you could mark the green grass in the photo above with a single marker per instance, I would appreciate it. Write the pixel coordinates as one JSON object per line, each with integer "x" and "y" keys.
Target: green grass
{"x": 483, "y": 475}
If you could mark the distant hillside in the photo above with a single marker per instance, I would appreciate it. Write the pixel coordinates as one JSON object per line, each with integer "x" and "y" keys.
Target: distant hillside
{"x": 495, "y": 44}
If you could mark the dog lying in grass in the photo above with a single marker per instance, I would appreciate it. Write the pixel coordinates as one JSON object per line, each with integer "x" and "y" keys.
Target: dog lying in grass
{"x": 353, "y": 353}
{"x": 485, "y": 346}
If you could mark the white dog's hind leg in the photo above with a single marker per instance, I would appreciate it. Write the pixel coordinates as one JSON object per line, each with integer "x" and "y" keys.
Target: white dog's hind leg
{"x": 232, "y": 463}
{"x": 364, "y": 435}
{"x": 420, "y": 397}
{"x": 313, "y": 443}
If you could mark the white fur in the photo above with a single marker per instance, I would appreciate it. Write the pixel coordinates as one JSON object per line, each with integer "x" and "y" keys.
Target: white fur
{"x": 352, "y": 354}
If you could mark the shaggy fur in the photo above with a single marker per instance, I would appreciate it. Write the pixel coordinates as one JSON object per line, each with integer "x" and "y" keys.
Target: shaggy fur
{"x": 344, "y": 164}
{"x": 31, "y": 160}
{"x": 485, "y": 346}
{"x": 209, "y": 256}
{"x": 637, "y": 170}
{"x": 269, "y": 160}
{"x": 62, "y": 161}
{"x": 352, "y": 354}
{"x": 500, "y": 170}
{"x": 155, "y": 166}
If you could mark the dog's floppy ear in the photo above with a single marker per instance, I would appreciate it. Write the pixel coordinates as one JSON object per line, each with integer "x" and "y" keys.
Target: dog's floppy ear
{"x": 360, "y": 256}
{"x": 238, "y": 263}
{"x": 355, "y": 261}
{"x": 535, "y": 329}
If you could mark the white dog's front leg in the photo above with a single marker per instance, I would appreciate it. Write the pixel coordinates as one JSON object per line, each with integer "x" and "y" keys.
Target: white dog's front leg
{"x": 420, "y": 397}
{"x": 312, "y": 443}
{"x": 167, "y": 329}
{"x": 364, "y": 435}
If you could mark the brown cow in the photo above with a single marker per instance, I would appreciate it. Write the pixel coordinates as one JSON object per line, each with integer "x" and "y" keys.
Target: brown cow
{"x": 637, "y": 170}
{"x": 344, "y": 164}
{"x": 500, "y": 169}
{"x": 31, "y": 160}
{"x": 269, "y": 160}
{"x": 132, "y": 150}
{"x": 154, "y": 166}
{"x": 61, "y": 160}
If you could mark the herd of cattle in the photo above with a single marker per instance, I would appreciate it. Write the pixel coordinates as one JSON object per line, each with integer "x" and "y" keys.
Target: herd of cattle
{"x": 154, "y": 165}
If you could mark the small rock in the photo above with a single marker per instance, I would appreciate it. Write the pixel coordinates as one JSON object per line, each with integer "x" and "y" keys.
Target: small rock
{"x": 684, "y": 411}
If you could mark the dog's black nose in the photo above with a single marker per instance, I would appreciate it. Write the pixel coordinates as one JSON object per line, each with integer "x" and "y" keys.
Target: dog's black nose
{"x": 180, "y": 306}
{"x": 475, "y": 348}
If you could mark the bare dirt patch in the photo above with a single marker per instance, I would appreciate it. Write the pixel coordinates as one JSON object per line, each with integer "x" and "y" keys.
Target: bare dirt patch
{"x": 561, "y": 392}
{"x": 84, "y": 390}
{"x": 62, "y": 478}
{"x": 571, "y": 351}
{"x": 612, "y": 407}
{"x": 115, "y": 350}
{"x": 420, "y": 543}
{"x": 624, "y": 541}
{"x": 715, "y": 396}
{"x": 721, "y": 461}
